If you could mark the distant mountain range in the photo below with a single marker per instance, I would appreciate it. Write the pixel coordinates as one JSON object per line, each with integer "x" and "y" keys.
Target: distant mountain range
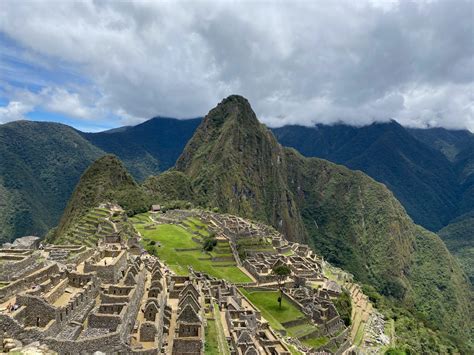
{"x": 430, "y": 171}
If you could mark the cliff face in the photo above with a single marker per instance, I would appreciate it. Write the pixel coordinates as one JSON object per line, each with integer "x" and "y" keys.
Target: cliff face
{"x": 235, "y": 163}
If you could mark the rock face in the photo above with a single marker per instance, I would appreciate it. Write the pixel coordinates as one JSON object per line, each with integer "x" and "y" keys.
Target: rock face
{"x": 235, "y": 163}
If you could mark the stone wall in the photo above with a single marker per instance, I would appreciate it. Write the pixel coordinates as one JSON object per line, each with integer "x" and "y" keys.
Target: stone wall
{"x": 148, "y": 331}
{"x": 28, "y": 281}
{"x": 13, "y": 265}
{"x": 110, "y": 273}
{"x": 107, "y": 321}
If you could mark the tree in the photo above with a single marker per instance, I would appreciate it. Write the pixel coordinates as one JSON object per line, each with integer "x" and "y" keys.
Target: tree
{"x": 210, "y": 242}
{"x": 281, "y": 272}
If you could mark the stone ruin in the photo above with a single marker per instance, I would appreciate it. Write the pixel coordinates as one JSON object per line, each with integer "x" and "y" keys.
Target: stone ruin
{"x": 74, "y": 300}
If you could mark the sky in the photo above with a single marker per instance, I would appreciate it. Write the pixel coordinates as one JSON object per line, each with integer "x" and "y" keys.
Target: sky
{"x": 102, "y": 64}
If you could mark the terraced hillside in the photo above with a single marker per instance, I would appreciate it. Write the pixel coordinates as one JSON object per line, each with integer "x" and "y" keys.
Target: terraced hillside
{"x": 98, "y": 223}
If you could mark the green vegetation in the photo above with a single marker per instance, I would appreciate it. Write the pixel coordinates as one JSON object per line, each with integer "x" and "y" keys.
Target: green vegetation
{"x": 149, "y": 147}
{"x": 276, "y": 315}
{"x": 459, "y": 238}
{"x": 343, "y": 305}
{"x": 281, "y": 272}
{"x": 209, "y": 242}
{"x": 104, "y": 181}
{"x": 175, "y": 246}
{"x": 223, "y": 345}
{"x": 169, "y": 186}
{"x": 266, "y": 302}
{"x": 244, "y": 245}
{"x": 211, "y": 346}
{"x": 294, "y": 351}
{"x": 235, "y": 163}
{"x": 414, "y": 334}
{"x": 315, "y": 342}
{"x": 40, "y": 164}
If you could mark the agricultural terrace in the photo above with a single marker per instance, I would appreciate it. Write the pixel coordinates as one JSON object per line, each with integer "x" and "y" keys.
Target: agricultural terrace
{"x": 180, "y": 246}
{"x": 267, "y": 303}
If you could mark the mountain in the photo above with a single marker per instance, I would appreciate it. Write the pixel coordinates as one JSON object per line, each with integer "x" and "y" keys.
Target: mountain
{"x": 149, "y": 147}
{"x": 459, "y": 238}
{"x": 106, "y": 180}
{"x": 236, "y": 164}
{"x": 421, "y": 177}
{"x": 449, "y": 142}
{"x": 40, "y": 165}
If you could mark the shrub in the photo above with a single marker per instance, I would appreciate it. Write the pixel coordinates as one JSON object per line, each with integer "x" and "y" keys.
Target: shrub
{"x": 210, "y": 242}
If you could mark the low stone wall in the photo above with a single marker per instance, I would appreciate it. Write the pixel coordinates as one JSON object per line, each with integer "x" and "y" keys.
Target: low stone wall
{"x": 57, "y": 291}
{"x": 109, "y": 343}
{"x": 12, "y": 265}
{"x": 81, "y": 256}
{"x": 107, "y": 321}
{"x": 27, "y": 281}
{"x": 293, "y": 323}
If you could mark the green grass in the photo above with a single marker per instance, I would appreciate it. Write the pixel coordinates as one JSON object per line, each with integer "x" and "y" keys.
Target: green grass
{"x": 267, "y": 303}
{"x": 172, "y": 237}
{"x": 224, "y": 347}
{"x": 301, "y": 329}
{"x": 315, "y": 342}
{"x": 293, "y": 350}
{"x": 211, "y": 346}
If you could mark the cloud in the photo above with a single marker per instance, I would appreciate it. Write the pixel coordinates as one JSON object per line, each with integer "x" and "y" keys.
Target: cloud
{"x": 13, "y": 111}
{"x": 297, "y": 62}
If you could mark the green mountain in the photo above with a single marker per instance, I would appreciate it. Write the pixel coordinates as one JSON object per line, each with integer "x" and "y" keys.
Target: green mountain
{"x": 106, "y": 180}
{"x": 459, "y": 238}
{"x": 420, "y": 176}
{"x": 236, "y": 164}
{"x": 40, "y": 165}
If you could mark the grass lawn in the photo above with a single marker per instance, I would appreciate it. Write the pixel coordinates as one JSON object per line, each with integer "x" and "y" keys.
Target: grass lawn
{"x": 172, "y": 237}
{"x": 301, "y": 329}
{"x": 267, "y": 303}
{"x": 211, "y": 346}
{"x": 293, "y": 350}
{"x": 196, "y": 226}
{"x": 315, "y": 342}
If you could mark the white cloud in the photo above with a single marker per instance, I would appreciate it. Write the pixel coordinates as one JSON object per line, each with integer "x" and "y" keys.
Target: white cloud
{"x": 14, "y": 111}
{"x": 297, "y": 62}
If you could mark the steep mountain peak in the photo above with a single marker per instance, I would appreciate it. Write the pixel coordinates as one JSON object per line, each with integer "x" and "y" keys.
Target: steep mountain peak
{"x": 235, "y": 109}
{"x": 237, "y": 163}
{"x": 106, "y": 180}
